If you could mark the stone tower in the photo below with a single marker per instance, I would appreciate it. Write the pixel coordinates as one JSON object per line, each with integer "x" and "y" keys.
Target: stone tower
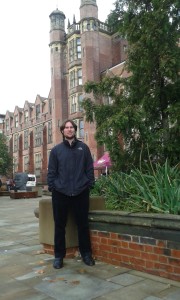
{"x": 90, "y": 58}
{"x": 58, "y": 92}
{"x": 88, "y": 8}
{"x": 89, "y": 40}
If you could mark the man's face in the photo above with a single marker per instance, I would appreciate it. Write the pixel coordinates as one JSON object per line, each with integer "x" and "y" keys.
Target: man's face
{"x": 69, "y": 131}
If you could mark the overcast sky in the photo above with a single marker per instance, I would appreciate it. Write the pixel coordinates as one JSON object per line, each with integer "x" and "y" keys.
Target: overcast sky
{"x": 24, "y": 50}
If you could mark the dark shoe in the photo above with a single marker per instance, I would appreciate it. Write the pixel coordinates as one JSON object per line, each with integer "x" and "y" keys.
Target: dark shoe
{"x": 88, "y": 260}
{"x": 58, "y": 263}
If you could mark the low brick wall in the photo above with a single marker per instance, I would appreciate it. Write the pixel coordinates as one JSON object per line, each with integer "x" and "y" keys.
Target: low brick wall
{"x": 144, "y": 242}
{"x": 22, "y": 195}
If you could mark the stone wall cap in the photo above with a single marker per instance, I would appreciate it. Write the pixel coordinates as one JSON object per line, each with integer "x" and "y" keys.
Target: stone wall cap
{"x": 167, "y": 221}
{"x": 140, "y": 215}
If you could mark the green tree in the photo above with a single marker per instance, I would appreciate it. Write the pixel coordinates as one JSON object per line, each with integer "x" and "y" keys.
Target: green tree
{"x": 146, "y": 111}
{"x": 5, "y": 157}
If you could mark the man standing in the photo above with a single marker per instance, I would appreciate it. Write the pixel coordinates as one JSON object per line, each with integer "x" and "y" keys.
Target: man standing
{"x": 70, "y": 176}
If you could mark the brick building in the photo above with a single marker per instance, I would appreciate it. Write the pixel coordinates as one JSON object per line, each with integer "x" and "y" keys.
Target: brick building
{"x": 85, "y": 52}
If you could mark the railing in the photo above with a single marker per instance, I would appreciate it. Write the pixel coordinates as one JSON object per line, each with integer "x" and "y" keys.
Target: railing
{"x": 89, "y": 25}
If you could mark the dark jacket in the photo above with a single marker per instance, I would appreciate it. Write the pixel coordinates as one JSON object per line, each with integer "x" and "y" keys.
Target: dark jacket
{"x": 70, "y": 169}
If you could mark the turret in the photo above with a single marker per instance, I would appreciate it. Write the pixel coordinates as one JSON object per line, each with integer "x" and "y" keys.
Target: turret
{"x": 88, "y": 9}
{"x": 57, "y": 26}
{"x": 58, "y": 70}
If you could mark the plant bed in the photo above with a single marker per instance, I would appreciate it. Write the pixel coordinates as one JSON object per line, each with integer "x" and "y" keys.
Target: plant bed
{"x": 23, "y": 194}
{"x": 155, "y": 190}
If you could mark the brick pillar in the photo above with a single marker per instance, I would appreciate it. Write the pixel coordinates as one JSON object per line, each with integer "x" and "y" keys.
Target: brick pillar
{"x": 31, "y": 153}
{"x": 20, "y": 156}
{"x": 11, "y": 153}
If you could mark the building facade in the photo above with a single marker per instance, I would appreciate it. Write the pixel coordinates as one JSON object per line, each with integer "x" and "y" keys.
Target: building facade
{"x": 83, "y": 53}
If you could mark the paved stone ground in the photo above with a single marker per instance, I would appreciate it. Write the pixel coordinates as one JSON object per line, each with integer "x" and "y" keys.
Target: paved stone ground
{"x": 26, "y": 273}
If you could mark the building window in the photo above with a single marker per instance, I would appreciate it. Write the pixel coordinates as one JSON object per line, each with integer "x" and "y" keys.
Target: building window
{"x": 88, "y": 25}
{"x": 75, "y": 78}
{"x": 71, "y": 50}
{"x": 26, "y": 163}
{"x": 74, "y": 49}
{"x": 80, "y": 128}
{"x": 86, "y": 137}
{"x": 16, "y": 123}
{"x": 72, "y": 79}
{"x": 94, "y": 25}
{"x": 80, "y": 98}
{"x": 79, "y": 76}
{"x": 50, "y": 132}
{"x": 50, "y": 106}
{"x": 78, "y": 47}
{"x": 15, "y": 165}
{"x": 37, "y": 111}
{"x": 38, "y": 163}
{"x": 7, "y": 125}
{"x": 16, "y": 139}
{"x": 26, "y": 116}
{"x": 20, "y": 118}
{"x": 38, "y": 136}
{"x": 48, "y": 154}
{"x": 31, "y": 114}
{"x": 76, "y": 103}
{"x": 125, "y": 48}
{"x": 26, "y": 134}
{"x": 94, "y": 157}
{"x": 73, "y": 104}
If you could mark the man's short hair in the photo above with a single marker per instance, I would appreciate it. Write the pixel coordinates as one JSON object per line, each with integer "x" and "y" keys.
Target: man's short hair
{"x": 64, "y": 125}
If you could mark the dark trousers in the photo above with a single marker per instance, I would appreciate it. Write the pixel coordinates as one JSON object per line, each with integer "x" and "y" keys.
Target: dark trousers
{"x": 80, "y": 207}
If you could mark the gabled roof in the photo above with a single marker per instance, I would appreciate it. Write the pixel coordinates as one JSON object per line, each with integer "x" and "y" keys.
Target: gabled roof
{"x": 9, "y": 114}
{"x": 28, "y": 104}
{"x": 19, "y": 109}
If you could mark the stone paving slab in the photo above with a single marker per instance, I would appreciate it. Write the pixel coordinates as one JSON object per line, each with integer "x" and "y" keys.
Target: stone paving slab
{"x": 155, "y": 278}
{"x": 103, "y": 271}
{"x": 24, "y": 294}
{"x": 137, "y": 291}
{"x": 125, "y": 279}
{"x": 172, "y": 293}
{"x": 12, "y": 289}
{"x": 68, "y": 286}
